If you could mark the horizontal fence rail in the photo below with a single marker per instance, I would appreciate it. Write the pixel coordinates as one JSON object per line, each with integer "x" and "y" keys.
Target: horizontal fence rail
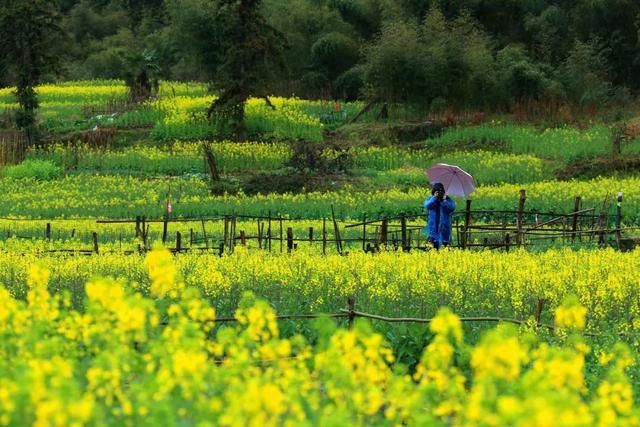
{"x": 350, "y": 313}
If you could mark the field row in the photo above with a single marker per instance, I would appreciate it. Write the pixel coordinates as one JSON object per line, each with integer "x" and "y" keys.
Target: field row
{"x": 178, "y": 113}
{"x": 562, "y": 144}
{"x": 395, "y": 284}
{"x": 158, "y": 357}
{"x": 523, "y": 145}
{"x": 126, "y": 197}
{"x": 393, "y": 164}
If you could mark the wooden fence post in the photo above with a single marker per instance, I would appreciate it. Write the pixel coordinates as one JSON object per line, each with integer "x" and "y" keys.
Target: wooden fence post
{"x": 165, "y": 230}
{"x": 232, "y": 240}
{"x": 311, "y": 235}
{"x": 269, "y": 232}
{"x": 617, "y": 136}
{"x": 574, "y": 222}
{"x": 94, "y": 236}
{"x": 137, "y": 226}
{"x": 243, "y": 238}
{"x": 336, "y": 231}
{"x": 403, "y": 232}
{"x": 466, "y": 235}
{"x": 289, "y": 239}
{"x": 352, "y": 315}
{"x": 204, "y": 233}
{"x": 178, "y": 241}
{"x": 539, "y": 308}
{"x": 145, "y": 233}
{"x": 47, "y": 232}
{"x": 619, "y": 220}
{"x": 364, "y": 232}
{"x": 520, "y": 221}
{"x": 384, "y": 232}
{"x": 324, "y": 236}
{"x": 226, "y": 229}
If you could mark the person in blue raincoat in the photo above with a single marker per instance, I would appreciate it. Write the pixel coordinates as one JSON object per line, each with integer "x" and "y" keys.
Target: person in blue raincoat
{"x": 440, "y": 208}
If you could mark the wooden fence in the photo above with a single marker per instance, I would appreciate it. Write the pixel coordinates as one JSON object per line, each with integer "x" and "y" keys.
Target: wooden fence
{"x": 471, "y": 229}
{"x": 110, "y": 107}
{"x": 13, "y": 147}
{"x": 483, "y": 229}
{"x": 350, "y": 314}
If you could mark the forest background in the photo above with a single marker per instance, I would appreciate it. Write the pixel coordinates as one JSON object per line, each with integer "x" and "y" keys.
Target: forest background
{"x": 434, "y": 54}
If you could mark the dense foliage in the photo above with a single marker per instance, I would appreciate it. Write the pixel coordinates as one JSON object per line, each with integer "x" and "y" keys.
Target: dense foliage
{"x": 240, "y": 50}
{"x": 29, "y": 32}
{"x": 433, "y": 53}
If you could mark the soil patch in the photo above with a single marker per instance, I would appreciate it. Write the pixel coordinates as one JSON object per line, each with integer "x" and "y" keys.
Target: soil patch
{"x": 265, "y": 183}
{"x": 418, "y": 132}
{"x": 471, "y": 145}
{"x": 411, "y": 135}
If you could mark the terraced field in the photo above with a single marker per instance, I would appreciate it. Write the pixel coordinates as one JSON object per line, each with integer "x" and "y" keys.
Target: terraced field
{"x": 127, "y": 335}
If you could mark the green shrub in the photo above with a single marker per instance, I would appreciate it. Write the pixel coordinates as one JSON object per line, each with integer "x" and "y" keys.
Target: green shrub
{"x": 38, "y": 169}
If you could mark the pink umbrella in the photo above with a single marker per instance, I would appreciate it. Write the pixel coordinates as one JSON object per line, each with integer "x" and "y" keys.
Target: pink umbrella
{"x": 456, "y": 181}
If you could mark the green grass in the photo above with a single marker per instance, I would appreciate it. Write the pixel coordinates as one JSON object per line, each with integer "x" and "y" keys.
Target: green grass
{"x": 179, "y": 158}
{"x": 37, "y": 169}
{"x": 563, "y": 144}
{"x": 488, "y": 168}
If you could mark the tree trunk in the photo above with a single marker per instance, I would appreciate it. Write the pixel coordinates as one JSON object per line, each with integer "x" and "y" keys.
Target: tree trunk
{"x": 228, "y": 111}
{"x": 239, "y": 128}
{"x": 269, "y": 104}
{"x": 366, "y": 108}
{"x": 211, "y": 162}
{"x": 617, "y": 136}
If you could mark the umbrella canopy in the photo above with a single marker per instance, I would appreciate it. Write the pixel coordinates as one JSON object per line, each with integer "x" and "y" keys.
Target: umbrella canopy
{"x": 456, "y": 181}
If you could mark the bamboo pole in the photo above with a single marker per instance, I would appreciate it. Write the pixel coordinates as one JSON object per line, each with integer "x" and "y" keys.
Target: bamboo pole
{"x": 520, "y": 221}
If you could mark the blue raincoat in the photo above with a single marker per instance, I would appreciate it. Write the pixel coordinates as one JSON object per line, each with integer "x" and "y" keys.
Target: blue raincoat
{"x": 438, "y": 227}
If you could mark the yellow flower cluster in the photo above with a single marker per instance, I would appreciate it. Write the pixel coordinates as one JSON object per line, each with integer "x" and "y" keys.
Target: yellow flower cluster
{"x": 130, "y": 359}
{"x": 185, "y": 117}
{"x": 163, "y": 274}
{"x": 571, "y": 315}
{"x": 605, "y": 282}
{"x": 126, "y": 197}
{"x": 82, "y": 92}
